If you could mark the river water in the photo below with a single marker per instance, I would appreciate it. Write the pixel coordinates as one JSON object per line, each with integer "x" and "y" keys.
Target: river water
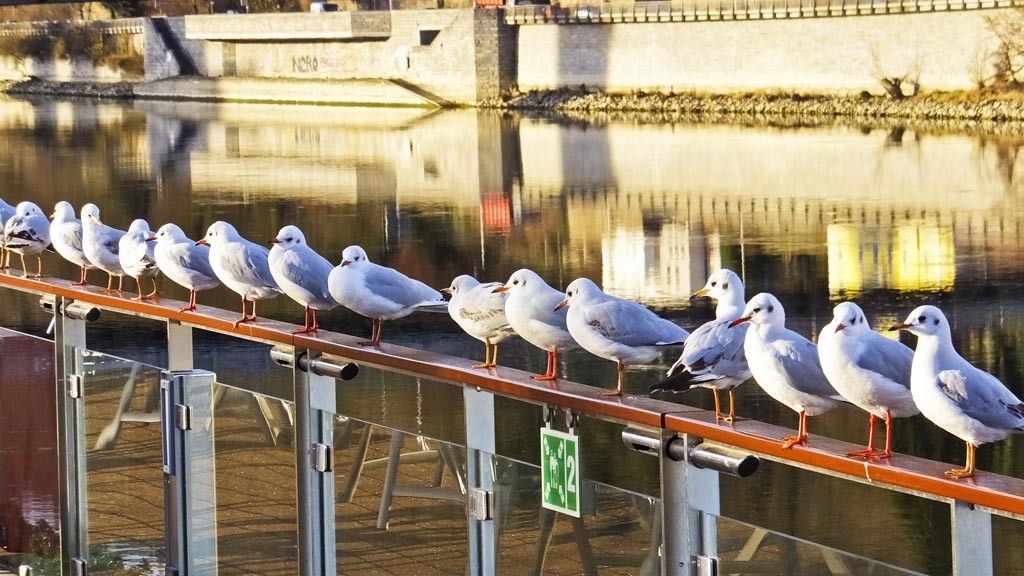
{"x": 891, "y": 215}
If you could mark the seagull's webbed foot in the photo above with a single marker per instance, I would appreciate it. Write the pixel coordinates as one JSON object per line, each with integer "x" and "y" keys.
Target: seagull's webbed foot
{"x": 544, "y": 377}
{"x": 958, "y": 473}
{"x": 615, "y": 392}
{"x": 244, "y": 320}
{"x": 790, "y": 441}
{"x": 189, "y": 308}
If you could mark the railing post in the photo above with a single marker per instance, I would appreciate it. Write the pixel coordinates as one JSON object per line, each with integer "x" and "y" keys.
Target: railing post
{"x": 190, "y": 496}
{"x": 179, "y": 346}
{"x": 972, "y": 540}
{"x": 69, "y": 342}
{"x": 480, "y": 448}
{"x": 315, "y": 406}
{"x": 690, "y": 503}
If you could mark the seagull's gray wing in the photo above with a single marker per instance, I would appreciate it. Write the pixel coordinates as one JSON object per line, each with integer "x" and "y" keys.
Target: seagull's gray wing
{"x": 631, "y": 324}
{"x": 887, "y": 357}
{"x": 397, "y": 287}
{"x": 72, "y": 232}
{"x": 713, "y": 342}
{"x": 249, "y": 263}
{"x": 799, "y": 358}
{"x": 193, "y": 257}
{"x": 309, "y": 266}
{"x": 484, "y": 307}
{"x": 983, "y": 397}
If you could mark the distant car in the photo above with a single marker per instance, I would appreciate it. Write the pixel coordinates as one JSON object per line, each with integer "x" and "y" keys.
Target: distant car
{"x": 323, "y": 7}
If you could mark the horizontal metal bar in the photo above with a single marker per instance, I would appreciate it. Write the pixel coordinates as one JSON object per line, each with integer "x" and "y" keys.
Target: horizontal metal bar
{"x": 1002, "y": 495}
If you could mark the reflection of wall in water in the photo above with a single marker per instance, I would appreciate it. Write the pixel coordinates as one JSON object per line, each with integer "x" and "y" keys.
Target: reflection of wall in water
{"x": 892, "y": 214}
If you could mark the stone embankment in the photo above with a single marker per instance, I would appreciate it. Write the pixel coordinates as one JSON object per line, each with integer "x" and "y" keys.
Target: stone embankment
{"x": 37, "y": 87}
{"x": 684, "y": 107}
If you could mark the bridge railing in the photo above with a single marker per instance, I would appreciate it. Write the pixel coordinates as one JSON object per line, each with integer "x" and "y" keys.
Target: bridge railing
{"x": 598, "y": 11}
{"x": 205, "y": 473}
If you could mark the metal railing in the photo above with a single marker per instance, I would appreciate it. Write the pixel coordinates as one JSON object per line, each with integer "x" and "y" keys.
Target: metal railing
{"x": 724, "y": 10}
{"x": 684, "y": 521}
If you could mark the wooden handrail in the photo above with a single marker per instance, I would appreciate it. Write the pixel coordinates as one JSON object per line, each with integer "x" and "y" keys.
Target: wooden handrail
{"x": 1000, "y": 494}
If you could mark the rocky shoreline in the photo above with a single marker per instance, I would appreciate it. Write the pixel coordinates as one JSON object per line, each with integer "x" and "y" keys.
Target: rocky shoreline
{"x": 37, "y": 87}
{"x": 707, "y": 107}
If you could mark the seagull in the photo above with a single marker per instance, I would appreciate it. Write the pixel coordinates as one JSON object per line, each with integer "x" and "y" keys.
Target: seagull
{"x": 66, "y": 235}
{"x": 378, "y": 292}
{"x": 530, "y": 311}
{"x": 101, "y": 245}
{"x": 28, "y": 234}
{"x": 480, "y": 312}
{"x": 713, "y": 355}
{"x": 869, "y": 370}
{"x": 6, "y": 213}
{"x": 137, "y": 255}
{"x": 785, "y": 364}
{"x": 240, "y": 265}
{"x": 969, "y": 403}
{"x": 184, "y": 261}
{"x": 302, "y": 274}
{"x": 616, "y": 329}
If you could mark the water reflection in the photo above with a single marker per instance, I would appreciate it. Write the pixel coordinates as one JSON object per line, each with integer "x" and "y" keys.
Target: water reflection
{"x": 890, "y": 215}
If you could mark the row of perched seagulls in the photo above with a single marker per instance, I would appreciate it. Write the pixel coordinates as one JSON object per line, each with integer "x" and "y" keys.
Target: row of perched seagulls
{"x": 850, "y": 364}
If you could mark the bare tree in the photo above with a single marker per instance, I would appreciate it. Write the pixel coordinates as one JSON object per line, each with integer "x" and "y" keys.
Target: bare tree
{"x": 897, "y": 86}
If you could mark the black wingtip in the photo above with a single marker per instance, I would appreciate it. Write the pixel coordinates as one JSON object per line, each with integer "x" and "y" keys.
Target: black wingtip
{"x": 679, "y": 381}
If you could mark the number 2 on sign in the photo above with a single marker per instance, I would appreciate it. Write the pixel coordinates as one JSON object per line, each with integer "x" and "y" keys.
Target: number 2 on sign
{"x": 570, "y": 481}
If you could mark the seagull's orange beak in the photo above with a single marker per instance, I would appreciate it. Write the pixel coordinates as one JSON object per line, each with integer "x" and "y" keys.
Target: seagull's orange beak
{"x": 739, "y": 321}
{"x": 500, "y": 289}
{"x": 840, "y": 326}
{"x": 52, "y": 216}
{"x": 562, "y": 304}
{"x": 900, "y": 326}
{"x": 274, "y": 241}
{"x": 700, "y": 293}
{"x": 346, "y": 262}
{"x": 151, "y": 239}
{"x": 445, "y": 291}
{"x": 202, "y": 241}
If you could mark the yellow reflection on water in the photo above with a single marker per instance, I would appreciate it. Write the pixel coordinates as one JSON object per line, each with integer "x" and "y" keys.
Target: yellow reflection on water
{"x": 925, "y": 257}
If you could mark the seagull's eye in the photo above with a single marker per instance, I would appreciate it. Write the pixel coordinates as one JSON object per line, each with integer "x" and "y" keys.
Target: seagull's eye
{"x": 515, "y": 282}
{"x": 922, "y": 319}
{"x": 713, "y": 284}
{"x": 756, "y": 310}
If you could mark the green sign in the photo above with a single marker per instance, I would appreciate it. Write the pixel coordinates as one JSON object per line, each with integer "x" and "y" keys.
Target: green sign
{"x": 560, "y": 471}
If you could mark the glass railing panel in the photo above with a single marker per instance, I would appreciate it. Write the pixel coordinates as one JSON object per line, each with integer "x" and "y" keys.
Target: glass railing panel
{"x": 400, "y": 476}
{"x": 29, "y": 505}
{"x": 124, "y": 478}
{"x": 618, "y": 531}
{"x": 748, "y": 549}
{"x": 255, "y": 483}
{"x": 400, "y": 501}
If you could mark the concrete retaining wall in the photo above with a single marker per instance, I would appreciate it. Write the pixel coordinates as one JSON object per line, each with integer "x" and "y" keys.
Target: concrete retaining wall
{"x": 435, "y": 51}
{"x": 824, "y": 55}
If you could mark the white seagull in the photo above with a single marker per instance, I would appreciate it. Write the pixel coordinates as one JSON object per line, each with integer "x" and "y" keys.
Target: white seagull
{"x": 184, "y": 261}
{"x": 616, "y": 329}
{"x": 101, "y": 245}
{"x": 969, "y": 403}
{"x": 530, "y": 311}
{"x": 378, "y": 292}
{"x": 241, "y": 265}
{"x": 713, "y": 355}
{"x": 6, "y": 213}
{"x": 302, "y": 274}
{"x": 138, "y": 256}
{"x": 28, "y": 234}
{"x": 66, "y": 235}
{"x": 480, "y": 312}
{"x": 785, "y": 364}
{"x": 869, "y": 370}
